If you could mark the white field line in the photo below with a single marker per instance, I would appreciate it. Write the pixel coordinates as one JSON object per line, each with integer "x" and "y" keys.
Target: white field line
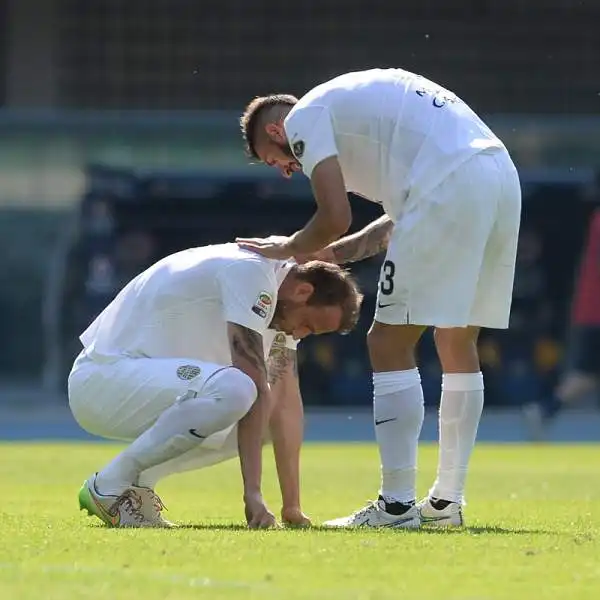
{"x": 172, "y": 578}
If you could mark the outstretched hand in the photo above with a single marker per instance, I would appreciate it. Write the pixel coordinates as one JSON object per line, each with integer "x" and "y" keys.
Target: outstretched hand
{"x": 276, "y": 247}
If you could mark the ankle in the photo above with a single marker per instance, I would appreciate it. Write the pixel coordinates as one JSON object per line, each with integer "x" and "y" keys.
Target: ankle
{"x": 396, "y": 507}
{"x": 107, "y": 486}
{"x": 440, "y": 503}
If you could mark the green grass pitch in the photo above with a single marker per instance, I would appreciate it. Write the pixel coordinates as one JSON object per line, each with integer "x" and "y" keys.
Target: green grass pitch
{"x": 533, "y": 532}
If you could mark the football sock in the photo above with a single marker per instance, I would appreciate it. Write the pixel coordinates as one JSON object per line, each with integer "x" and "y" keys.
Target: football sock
{"x": 460, "y": 411}
{"x": 197, "y": 458}
{"x": 182, "y": 427}
{"x": 398, "y": 411}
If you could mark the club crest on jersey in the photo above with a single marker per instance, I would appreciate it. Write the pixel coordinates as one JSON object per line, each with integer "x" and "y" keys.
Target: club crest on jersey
{"x": 278, "y": 346}
{"x": 187, "y": 372}
{"x": 298, "y": 149}
{"x": 279, "y": 339}
{"x": 262, "y": 305}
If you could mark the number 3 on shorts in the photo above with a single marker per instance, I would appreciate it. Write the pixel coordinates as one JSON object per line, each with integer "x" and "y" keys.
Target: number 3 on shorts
{"x": 388, "y": 270}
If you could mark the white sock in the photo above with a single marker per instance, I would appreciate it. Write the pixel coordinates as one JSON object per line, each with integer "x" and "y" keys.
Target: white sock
{"x": 197, "y": 458}
{"x": 398, "y": 410}
{"x": 460, "y": 412}
{"x": 181, "y": 428}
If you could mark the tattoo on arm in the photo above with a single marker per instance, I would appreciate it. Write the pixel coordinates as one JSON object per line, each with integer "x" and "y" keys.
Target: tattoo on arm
{"x": 247, "y": 347}
{"x": 280, "y": 361}
{"x": 369, "y": 241}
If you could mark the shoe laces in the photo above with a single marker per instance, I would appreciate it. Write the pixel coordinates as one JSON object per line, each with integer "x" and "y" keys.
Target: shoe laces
{"x": 152, "y": 505}
{"x": 157, "y": 503}
{"x": 372, "y": 506}
{"x": 130, "y": 502}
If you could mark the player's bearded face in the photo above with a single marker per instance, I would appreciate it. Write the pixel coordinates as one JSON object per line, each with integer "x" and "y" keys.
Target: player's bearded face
{"x": 280, "y": 156}
{"x": 300, "y": 319}
{"x": 275, "y": 151}
{"x": 286, "y": 315}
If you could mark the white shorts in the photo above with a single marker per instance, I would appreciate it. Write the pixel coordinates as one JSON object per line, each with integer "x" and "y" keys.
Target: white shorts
{"x": 121, "y": 398}
{"x": 451, "y": 257}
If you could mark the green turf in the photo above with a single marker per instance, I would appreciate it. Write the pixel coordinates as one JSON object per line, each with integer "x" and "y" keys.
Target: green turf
{"x": 533, "y": 533}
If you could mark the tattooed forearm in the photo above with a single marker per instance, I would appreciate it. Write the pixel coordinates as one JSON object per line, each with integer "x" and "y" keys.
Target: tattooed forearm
{"x": 369, "y": 241}
{"x": 280, "y": 361}
{"x": 246, "y": 349}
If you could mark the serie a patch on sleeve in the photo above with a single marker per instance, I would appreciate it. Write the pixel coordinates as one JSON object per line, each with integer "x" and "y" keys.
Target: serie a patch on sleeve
{"x": 263, "y": 304}
{"x": 298, "y": 149}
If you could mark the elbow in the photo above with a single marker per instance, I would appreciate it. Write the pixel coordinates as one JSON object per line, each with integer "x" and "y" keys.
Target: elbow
{"x": 343, "y": 224}
{"x": 339, "y": 223}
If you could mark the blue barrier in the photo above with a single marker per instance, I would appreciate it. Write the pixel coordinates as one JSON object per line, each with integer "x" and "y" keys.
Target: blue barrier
{"x": 339, "y": 425}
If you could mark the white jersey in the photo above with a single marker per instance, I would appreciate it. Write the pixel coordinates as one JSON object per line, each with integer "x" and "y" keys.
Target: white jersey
{"x": 394, "y": 133}
{"x": 180, "y": 306}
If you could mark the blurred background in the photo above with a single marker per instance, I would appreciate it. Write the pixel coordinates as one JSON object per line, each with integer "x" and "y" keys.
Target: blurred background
{"x": 119, "y": 144}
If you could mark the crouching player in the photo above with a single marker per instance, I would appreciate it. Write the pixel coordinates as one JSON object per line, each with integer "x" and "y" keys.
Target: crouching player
{"x": 194, "y": 363}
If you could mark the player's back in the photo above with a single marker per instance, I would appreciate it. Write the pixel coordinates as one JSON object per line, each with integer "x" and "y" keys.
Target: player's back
{"x": 173, "y": 309}
{"x": 394, "y": 131}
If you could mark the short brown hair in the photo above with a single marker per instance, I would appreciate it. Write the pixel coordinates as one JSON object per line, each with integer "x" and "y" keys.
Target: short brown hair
{"x": 333, "y": 286}
{"x": 251, "y": 117}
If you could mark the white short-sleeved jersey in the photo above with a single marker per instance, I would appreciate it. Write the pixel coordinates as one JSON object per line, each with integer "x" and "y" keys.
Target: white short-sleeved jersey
{"x": 180, "y": 306}
{"x": 394, "y": 133}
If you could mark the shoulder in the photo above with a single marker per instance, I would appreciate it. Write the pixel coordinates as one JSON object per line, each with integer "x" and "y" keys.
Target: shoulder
{"x": 303, "y": 117}
{"x": 248, "y": 265}
{"x": 250, "y": 279}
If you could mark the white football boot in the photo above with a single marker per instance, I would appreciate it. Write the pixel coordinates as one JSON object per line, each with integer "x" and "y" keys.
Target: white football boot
{"x": 375, "y": 515}
{"x": 152, "y": 507}
{"x": 449, "y": 516}
{"x": 135, "y": 507}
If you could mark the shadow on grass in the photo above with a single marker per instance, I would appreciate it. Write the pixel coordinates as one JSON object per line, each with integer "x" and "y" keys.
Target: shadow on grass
{"x": 198, "y": 526}
{"x": 214, "y": 526}
{"x": 476, "y": 530}
{"x": 482, "y": 530}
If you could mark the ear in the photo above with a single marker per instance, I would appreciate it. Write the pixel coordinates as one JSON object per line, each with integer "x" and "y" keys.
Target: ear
{"x": 303, "y": 291}
{"x": 275, "y": 131}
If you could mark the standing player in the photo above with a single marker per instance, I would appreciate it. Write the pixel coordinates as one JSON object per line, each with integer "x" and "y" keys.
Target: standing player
{"x": 452, "y": 200}
{"x": 177, "y": 365}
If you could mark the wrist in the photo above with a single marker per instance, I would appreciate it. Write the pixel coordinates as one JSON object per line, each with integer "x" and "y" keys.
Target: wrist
{"x": 332, "y": 254}
{"x": 252, "y": 493}
{"x": 291, "y": 244}
{"x": 290, "y": 502}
